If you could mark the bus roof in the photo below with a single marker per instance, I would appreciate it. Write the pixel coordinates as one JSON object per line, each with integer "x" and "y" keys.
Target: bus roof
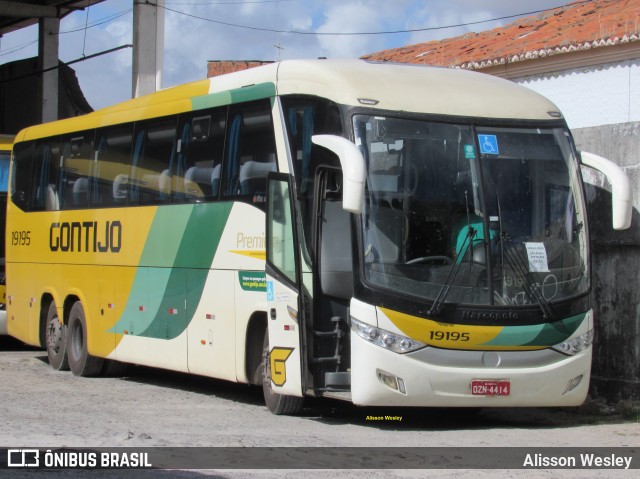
{"x": 411, "y": 88}
{"x": 6, "y": 142}
{"x": 387, "y": 86}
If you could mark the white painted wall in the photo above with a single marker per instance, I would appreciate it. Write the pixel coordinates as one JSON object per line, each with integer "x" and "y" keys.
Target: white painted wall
{"x": 594, "y": 95}
{"x": 602, "y": 106}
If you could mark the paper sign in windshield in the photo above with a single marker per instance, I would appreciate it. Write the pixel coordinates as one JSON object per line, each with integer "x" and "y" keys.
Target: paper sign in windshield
{"x": 537, "y": 255}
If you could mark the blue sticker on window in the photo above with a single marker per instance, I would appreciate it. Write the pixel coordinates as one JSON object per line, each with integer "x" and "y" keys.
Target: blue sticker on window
{"x": 488, "y": 144}
{"x": 270, "y": 295}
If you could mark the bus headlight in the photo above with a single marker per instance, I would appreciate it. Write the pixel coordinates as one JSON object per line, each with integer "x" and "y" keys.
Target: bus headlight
{"x": 574, "y": 345}
{"x": 385, "y": 339}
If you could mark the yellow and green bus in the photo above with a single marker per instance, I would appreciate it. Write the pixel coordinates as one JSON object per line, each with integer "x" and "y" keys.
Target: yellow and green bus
{"x": 383, "y": 234}
{"x": 6, "y": 143}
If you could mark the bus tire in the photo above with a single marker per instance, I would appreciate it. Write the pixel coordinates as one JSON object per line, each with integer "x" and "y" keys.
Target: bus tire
{"x": 56, "y": 340}
{"x": 278, "y": 404}
{"x": 81, "y": 362}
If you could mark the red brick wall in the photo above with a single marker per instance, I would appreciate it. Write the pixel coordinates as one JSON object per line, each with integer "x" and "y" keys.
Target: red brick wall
{"x": 220, "y": 67}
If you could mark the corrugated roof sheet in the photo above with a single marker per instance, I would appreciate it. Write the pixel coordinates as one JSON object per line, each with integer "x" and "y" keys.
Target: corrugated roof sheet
{"x": 581, "y": 25}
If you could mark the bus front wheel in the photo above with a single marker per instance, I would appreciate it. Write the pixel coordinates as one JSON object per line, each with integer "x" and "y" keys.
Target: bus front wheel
{"x": 278, "y": 404}
{"x": 56, "y": 340}
{"x": 80, "y": 361}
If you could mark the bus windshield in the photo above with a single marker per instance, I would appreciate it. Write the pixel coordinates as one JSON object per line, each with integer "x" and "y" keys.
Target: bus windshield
{"x": 468, "y": 214}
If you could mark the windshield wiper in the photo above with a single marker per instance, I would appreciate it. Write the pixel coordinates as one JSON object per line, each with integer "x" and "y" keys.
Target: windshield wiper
{"x": 467, "y": 245}
{"x": 518, "y": 265}
{"x": 436, "y": 307}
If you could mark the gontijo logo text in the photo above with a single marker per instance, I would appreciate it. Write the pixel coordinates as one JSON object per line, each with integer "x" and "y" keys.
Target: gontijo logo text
{"x": 86, "y": 236}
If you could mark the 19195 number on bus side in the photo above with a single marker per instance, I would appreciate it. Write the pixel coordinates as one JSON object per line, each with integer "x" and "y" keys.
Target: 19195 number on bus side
{"x": 20, "y": 238}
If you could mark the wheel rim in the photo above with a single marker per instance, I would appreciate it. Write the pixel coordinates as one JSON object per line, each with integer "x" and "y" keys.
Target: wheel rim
{"x": 54, "y": 337}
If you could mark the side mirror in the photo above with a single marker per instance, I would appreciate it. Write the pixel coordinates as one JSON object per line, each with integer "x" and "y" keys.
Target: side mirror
{"x": 354, "y": 171}
{"x": 621, "y": 193}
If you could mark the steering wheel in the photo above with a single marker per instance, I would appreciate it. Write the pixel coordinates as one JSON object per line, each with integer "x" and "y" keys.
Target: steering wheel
{"x": 430, "y": 259}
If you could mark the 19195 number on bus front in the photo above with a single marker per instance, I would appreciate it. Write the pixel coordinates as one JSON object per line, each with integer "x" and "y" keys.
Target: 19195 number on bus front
{"x": 448, "y": 336}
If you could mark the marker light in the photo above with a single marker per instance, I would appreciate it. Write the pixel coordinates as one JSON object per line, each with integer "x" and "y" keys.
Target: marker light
{"x": 385, "y": 339}
{"x": 574, "y": 345}
{"x": 391, "y": 381}
{"x": 573, "y": 383}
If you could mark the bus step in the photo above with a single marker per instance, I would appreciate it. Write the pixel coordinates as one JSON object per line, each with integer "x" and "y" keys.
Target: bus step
{"x": 337, "y": 332}
{"x": 341, "y": 389}
{"x": 337, "y": 380}
{"x": 328, "y": 334}
{"x": 327, "y": 359}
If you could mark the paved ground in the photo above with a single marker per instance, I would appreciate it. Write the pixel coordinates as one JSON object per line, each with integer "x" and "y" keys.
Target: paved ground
{"x": 41, "y": 407}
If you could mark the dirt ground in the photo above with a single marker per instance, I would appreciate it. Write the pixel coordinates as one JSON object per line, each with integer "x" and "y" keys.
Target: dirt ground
{"x": 44, "y": 408}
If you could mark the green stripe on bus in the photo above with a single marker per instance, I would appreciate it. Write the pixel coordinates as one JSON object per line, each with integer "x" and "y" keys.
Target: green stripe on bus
{"x": 202, "y": 235}
{"x": 538, "y": 334}
{"x": 182, "y": 275}
{"x": 558, "y": 331}
{"x": 239, "y": 95}
{"x": 165, "y": 235}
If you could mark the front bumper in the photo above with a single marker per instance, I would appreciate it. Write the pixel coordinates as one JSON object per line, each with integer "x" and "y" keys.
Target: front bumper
{"x": 442, "y": 378}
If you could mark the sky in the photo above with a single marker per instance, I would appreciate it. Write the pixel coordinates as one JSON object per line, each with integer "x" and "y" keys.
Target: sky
{"x": 200, "y": 30}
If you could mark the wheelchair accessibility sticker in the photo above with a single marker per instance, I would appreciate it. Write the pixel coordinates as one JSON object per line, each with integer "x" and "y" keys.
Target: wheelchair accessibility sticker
{"x": 488, "y": 144}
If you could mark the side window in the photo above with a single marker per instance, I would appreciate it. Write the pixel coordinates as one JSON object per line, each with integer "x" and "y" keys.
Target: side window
{"x": 5, "y": 157}
{"x": 46, "y": 192}
{"x": 22, "y": 173}
{"x": 306, "y": 117}
{"x": 110, "y": 172}
{"x": 281, "y": 249}
{"x": 251, "y": 151}
{"x": 153, "y": 155}
{"x": 77, "y": 162}
{"x": 197, "y": 172}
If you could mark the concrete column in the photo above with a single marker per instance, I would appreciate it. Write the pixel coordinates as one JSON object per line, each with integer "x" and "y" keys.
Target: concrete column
{"x": 49, "y": 29}
{"x": 148, "y": 46}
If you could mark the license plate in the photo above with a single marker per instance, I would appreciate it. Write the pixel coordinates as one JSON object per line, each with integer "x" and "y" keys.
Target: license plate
{"x": 490, "y": 387}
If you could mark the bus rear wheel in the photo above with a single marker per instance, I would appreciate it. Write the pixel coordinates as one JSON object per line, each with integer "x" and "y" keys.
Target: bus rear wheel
{"x": 56, "y": 340}
{"x": 81, "y": 362}
{"x": 278, "y": 404}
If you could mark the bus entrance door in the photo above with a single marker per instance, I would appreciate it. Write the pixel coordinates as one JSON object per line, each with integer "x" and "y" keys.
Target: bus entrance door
{"x": 283, "y": 289}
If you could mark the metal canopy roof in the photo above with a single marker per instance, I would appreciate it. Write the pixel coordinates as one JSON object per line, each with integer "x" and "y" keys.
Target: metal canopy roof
{"x": 15, "y": 14}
